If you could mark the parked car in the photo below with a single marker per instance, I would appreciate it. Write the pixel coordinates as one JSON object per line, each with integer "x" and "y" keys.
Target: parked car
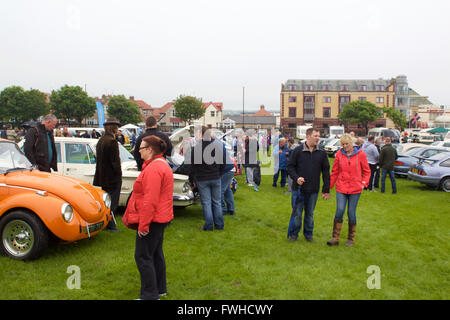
{"x": 332, "y": 147}
{"x": 76, "y": 158}
{"x": 323, "y": 142}
{"x": 433, "y": 171}
{"x": 441, "y": 144}
{"x": 36, "y": 205}
{"x": 407, "y": 159}
{"x": 403, "y": 147}
{"x": 384, "y": 133}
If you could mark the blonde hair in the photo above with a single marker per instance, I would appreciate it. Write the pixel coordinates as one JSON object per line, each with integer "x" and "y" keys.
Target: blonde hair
{"x": 346, "y": 138}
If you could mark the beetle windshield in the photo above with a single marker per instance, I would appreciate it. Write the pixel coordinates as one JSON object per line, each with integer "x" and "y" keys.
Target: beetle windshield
{"x": 11, "y": 158}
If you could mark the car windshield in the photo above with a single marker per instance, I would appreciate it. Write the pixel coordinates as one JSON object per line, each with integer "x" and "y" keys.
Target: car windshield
{"x": 389, "y": 133}
{"x": 125, "y": 155}
{"x": 437, "y": 157}
{"x": 11, "y": 158}
{"x": 413, "y": 151}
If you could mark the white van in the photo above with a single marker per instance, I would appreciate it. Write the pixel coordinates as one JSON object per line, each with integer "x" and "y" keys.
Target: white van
{"x": 301, "y": 131}
{"x": 336, "y": 131}
{"x": 384, "y": 133}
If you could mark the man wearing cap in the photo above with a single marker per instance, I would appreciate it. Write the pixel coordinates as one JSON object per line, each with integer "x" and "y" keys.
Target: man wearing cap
{"x": 108, "y": 172}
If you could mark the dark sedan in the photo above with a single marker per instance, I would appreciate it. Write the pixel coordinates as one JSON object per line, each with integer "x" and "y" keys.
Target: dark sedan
{"x": 407, "y": 159}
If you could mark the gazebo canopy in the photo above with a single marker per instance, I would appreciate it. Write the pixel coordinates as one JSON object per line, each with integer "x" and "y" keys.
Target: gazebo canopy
{"x": 438, "y": 130}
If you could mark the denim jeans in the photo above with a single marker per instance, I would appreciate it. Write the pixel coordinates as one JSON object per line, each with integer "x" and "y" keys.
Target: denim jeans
{"x": 385, "y": 172}
{"x": 307, "y": 203}
{"x": 227, "y": 194}
{"x": 210, "y": 197}
{"x": 283, "y": 177}
{"x": 342, "y": 200}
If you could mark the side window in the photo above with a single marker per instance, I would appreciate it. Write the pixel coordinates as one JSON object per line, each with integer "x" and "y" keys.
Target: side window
{"x": 76, "y": 153}
{"x": 58, "y": 151}
{"x": 429, "y": 153}
{"x": 446, "y": 163}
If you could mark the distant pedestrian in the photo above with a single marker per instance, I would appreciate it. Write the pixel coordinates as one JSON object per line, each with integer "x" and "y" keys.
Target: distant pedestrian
{"x": 95, "y": 134}
{"x": 11, "y": 134}
{"x": 280, "y": 154}
{"x": 120, "y": 137}
{"x": 227, "y": 199}
{"x": 371, "y": 152}
{"x": 149, "y": 211}
{"x": 39, "y": 146}
{"x": 376, "y": 178}
{"x": 350, "y": 174}
{"x": 251, "y": 148}
{"x": 305, "y": 166}
{"x": 388, "y": 155}
{"x": 108, "y": 170}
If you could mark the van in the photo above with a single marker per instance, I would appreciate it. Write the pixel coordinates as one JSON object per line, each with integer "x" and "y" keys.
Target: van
{"x": 301, "y": 131}
{"x": 384, "y": 133}
{"x": 336, "y": 131}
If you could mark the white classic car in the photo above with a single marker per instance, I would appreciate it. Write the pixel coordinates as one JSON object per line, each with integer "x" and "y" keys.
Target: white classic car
{"x": 76, "y": 158}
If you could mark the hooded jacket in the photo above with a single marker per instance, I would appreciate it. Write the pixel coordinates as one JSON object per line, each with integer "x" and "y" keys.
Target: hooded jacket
{"x": 350, "y": 173}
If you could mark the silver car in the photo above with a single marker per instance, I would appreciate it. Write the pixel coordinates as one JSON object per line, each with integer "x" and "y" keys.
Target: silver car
{"x": 433, "y": 171}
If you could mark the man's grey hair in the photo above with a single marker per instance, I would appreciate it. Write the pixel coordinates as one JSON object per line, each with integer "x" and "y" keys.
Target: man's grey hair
{"x": 49, "y": 117}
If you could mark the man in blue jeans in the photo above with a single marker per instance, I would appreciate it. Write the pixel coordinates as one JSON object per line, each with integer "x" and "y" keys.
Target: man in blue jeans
{"x": 305, "y": 166}
{"x": 280, "y": 154}
{"x": 387, "y": 157}
{"x": 206, "y": 161}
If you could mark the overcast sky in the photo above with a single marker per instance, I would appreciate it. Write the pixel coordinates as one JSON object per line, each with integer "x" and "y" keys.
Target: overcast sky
{"x": 157, "y": 50}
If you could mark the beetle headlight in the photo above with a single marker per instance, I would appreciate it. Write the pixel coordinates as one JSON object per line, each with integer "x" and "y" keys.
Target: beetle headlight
{"x": 107, "y": 200}
{"x": 67, "y": 212}
{"x": 186, "y": 187}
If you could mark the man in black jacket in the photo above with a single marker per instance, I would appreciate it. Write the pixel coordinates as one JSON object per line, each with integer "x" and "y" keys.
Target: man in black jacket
{"x": 39, "y": 146}
{"x": 305, "y": 165}
{"x": 151, "y": 130}
{"x": 108, "y": 170}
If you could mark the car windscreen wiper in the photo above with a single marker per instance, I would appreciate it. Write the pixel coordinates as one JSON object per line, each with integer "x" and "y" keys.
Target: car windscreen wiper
{"x": 13, "y": 169}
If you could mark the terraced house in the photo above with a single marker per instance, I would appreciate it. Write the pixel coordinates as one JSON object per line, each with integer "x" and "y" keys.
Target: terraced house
{"x": 320, "y": 101}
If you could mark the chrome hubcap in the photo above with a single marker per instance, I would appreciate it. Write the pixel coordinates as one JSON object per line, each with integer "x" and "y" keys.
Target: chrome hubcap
{"x": 18, "y": 238}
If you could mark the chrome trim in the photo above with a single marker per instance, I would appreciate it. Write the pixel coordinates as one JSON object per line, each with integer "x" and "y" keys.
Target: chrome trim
{"x": 39, "y": 192}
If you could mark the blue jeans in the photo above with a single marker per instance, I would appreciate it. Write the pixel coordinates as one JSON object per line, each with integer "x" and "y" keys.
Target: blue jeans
{"x": 307, "y": 202}
{"x": 385, "y": 172}
{"x": 227, "y": 194}
{"x": 210, "y": 197}
{"x": 283, "y": 177}
{"x": 341, "y": 202}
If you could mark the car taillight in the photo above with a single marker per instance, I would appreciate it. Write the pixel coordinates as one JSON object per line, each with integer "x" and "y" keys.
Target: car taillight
{"x": 422, "y": 173}
{"x": 398, "y": 163}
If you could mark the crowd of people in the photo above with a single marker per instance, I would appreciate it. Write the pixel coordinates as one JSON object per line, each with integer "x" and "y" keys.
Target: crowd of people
{"x": 211, "y": 167}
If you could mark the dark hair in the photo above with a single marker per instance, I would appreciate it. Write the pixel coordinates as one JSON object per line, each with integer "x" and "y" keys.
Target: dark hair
{"x": 150, "y": 122}
{"x": 309, "y": 131}
{"x": 371, "y": 138}
{"x": 158, "y": 145}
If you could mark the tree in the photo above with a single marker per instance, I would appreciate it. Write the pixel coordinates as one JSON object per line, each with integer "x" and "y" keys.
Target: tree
{"x": 124, "y": 110}
{"x": 188, "y": 108}
{"x": 360, "y": 112}
{"x": 397, "y": 117}
{"x": 71, "y": 102}
{"x": 20, "y": 105}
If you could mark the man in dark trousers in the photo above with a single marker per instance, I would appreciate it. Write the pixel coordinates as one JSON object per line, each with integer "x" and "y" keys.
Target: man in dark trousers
{"x": 387, "y": 157}
{"x": 108, "y": 171}
{"x": 151, "y": 130}
{"x": 305, "y": 166}
{"x": 39, "y": 146}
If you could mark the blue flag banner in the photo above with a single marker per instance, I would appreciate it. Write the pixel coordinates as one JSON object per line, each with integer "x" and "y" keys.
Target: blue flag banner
{"x": 101, "y": 114}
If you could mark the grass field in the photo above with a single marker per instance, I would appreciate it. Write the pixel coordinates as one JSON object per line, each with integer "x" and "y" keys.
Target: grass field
{"x": 405, "y": 235}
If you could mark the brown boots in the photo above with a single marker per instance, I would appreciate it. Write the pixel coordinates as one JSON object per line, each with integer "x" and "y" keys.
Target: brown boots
{"x": 337, "y": 226}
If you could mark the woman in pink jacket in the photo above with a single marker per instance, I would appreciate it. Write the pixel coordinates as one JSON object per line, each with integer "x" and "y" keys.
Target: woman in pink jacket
{"x": 351, "y": 174}
{"x": 149, "y": 210}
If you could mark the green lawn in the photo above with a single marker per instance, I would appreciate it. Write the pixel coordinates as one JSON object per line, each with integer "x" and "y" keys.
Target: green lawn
{"x": 405, "y": 235}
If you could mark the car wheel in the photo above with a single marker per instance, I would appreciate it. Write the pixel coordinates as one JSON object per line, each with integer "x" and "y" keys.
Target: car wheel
{"x": 23, "y": 236}
{"x": 445, "y": 184}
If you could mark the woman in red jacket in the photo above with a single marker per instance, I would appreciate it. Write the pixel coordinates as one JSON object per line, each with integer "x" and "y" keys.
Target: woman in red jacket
{"x": 351, "y": 174}
{"x": 149, "y": 210}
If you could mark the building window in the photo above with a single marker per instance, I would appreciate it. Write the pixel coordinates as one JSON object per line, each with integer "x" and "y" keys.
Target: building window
{"x": 326, "y": 87}
{"x": 292, "y": 99}
{"x": 292, "y": 125}
{"x": 327, "y": 112}
{"x": 379, "y": 87}
{"x": 326, "y": 99}
{"x": 362, "y": 98}
{"x": 213, "y": 113}
{"x": 344, "y": 87}
{"x": 363, "y": 87}
{"x": 292, "y": 87}
{"x": 292, "y": 112}
{"x": 309, "y": 87}
{"x": 380, "y": 100}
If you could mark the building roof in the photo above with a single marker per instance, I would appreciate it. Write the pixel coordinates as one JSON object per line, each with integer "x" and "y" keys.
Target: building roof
{"x": 262, "y": 113}
{"x": 335, "y": 85}
{"x": 143, "y": 105}
{"x": 415, "y": 99}
{"x": 254, "y": 119}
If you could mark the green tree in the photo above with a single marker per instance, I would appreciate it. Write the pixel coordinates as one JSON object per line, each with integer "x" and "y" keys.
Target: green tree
{"x": 397, "y": 117}
{"x": 19, "y": 105}
{"x": 71, "y": 102}
{"x": 124, "y": 110}
{"x": 361, "y": 112}
{"x": 188, "y": 108}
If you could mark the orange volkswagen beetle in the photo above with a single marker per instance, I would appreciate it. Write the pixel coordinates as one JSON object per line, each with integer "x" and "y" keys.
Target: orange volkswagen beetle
{"x": 35, "y": 204}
